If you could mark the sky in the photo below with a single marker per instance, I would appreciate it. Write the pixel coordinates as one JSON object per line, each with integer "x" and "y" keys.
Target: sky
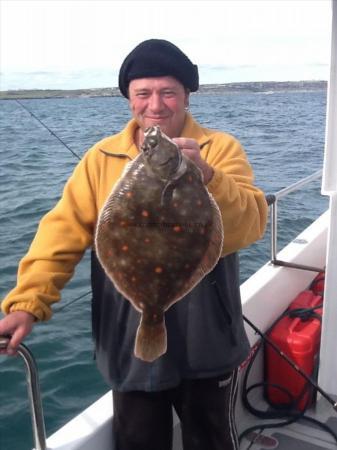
{"x": 82, "y": 43}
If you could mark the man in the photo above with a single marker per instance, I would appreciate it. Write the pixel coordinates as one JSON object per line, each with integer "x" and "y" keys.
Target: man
{"x": 206, "y": 337}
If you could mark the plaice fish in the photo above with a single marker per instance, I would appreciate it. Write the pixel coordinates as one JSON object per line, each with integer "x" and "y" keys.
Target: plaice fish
{"x": 158, "y": 234}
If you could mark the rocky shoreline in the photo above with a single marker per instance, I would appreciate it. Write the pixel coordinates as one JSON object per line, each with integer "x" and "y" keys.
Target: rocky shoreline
{"x": 226, "y": 88}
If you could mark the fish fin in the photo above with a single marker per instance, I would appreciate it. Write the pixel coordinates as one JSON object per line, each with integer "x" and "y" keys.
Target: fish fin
{"x": 166, "y": 195}
{"x": 169, "y": 187}
{"x": 216, "y": 240}
{"x": 151, "y": 341}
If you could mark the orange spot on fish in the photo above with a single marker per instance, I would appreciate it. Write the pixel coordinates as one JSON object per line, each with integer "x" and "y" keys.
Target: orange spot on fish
{"x": 125, "y": 248}
{"x": 158, "y": 269}
{"x": 177, "y": 228}
{"x": 129, "y": 194}
{"x": 146, "y": 240}
{"x": 145, "y": 213}
{"x": 122, "y": 223}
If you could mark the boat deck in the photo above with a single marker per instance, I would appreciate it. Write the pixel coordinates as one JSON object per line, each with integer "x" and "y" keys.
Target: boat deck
{"x": 300, "y": 435}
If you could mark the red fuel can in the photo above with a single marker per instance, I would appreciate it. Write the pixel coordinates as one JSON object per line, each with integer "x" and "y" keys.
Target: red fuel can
{"x": 317, "y": 285}
{"x": 299, "y": 340}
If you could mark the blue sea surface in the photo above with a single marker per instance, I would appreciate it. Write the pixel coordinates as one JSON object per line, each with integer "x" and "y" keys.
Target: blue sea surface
{"x": 283, "y": 136}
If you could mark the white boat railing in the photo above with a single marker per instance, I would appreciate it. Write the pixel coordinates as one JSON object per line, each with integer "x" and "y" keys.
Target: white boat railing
{"x": 272, "y": 200}
{"x": 39, "y": 432}
{"x": 328, "y": 363}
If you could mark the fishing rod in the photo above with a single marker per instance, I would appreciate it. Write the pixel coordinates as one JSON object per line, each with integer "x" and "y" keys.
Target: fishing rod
{"x": 47, "y": 128}
{"x": 266, "y": 339}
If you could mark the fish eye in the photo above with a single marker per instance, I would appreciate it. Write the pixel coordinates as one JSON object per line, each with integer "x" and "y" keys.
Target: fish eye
{"x": 152, "y": 142}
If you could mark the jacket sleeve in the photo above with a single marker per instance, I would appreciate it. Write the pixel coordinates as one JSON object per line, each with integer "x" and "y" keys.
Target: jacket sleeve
{"x": 243, "y": 206}
{"x": 60, "y": 242}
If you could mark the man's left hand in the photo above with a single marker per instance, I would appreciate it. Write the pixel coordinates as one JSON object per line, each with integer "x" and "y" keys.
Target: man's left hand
{"x": 191, "y": 149}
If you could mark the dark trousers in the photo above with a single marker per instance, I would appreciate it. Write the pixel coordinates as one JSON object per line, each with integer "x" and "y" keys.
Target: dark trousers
{"x": 143, "y": 420}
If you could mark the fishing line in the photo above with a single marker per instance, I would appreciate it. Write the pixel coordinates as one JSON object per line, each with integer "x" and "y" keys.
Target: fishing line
{"x": 47, "y": 128}
{"x": 61, "y": 308}
{"x": 57, "y": 310}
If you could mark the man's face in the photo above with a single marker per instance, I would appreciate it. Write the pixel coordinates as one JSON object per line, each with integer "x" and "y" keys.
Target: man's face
{"x": 159, "y": 101}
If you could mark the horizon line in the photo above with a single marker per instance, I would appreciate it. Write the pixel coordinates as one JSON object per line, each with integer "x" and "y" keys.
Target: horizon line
{"x": 201, "y": 85}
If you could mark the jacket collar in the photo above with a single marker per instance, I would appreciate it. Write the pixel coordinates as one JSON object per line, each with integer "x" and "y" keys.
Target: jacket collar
{"x": 122, "y": 144}
{"x": 193, "y": 130}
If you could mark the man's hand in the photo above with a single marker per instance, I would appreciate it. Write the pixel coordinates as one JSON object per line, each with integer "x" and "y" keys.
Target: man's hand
{"x": 16, "y": 325}
{"x": 191, "y": 149}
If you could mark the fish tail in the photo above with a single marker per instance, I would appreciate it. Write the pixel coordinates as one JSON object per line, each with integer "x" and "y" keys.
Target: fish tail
{"x": 151, "y": 341}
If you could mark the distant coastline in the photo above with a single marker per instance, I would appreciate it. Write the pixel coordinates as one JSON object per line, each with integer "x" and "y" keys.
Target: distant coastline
{"x": 226, "y": 88}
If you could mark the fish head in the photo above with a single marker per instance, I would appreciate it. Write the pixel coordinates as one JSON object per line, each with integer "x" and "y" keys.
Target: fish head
{"x": 162, "y": 156}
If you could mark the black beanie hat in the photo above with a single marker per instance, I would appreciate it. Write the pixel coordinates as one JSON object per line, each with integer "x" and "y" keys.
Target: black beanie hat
{"x": 158, "y": 58}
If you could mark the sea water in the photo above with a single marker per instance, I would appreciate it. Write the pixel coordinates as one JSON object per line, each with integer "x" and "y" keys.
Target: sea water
{"x": 283, "y": 136}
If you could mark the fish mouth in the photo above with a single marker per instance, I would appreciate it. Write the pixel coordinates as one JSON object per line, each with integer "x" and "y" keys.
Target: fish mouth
{"x": 151, "y": 136}
{"x": 153, "y": 130}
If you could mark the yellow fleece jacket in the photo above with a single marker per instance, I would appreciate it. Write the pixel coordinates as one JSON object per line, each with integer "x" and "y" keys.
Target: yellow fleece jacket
{"x": 68, "y": 229}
